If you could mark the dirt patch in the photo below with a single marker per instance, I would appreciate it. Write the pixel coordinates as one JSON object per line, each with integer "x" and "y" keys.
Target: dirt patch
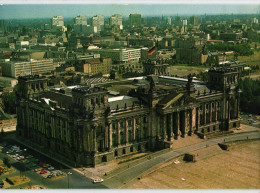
{"x": 57, "y": 177}
{"x": 238, "y": 168}
{"x": 16, "y": 180}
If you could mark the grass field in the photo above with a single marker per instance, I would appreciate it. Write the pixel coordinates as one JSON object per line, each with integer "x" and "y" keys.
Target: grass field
{"x": 182, "y": 71}
{"x": 238, "y": 168}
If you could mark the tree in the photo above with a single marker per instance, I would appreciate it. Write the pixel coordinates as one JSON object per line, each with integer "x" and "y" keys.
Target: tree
{"x": 7, "y": 162}
{"x": 24, "y": 31}
{"x": 2, "y": 134}
{"x": 250, "y": 96}
{"x": 9, "y": 102}
{"x": 112, "y": 74}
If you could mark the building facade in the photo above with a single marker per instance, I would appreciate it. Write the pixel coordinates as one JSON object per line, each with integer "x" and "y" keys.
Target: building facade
{"x": 116, "y": 20}
{"x": 80, "y": 20}
{"x": 135, "y": 20}
{"x": 22, "y": 68}
{"x": 85, "y": 126}
{"x": 98, "y": 22}
{"x": 120, "y": 55}
{"x": 57, "y": 21}
{"x": 191, "y": 50}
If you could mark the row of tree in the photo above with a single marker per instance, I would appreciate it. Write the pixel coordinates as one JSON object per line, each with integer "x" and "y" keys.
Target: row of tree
{"x": 250, "y": 96}
{"x": 8, "y": 103}
{"x": 241, "y": 49}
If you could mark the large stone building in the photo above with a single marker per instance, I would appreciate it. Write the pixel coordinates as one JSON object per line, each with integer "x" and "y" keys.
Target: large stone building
{"x": 85, "y": 126}
{"x": 191, "y": 50}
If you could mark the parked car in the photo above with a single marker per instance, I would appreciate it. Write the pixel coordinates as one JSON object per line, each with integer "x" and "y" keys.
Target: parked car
{"x": 46, "y": 165}
{"x": 59, "y": 173}
{"x": 97, "y": 180}
{"x": 51, "y": 168}
{"x": 43, "y": 172}
{"x": 50, "y": 176}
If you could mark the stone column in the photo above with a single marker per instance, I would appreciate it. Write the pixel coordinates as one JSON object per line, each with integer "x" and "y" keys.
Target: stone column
{"x": 126, "y": 131}
{"x": 204, "y": 114}
{"x": 183, "y": 129}
{"x": 237, "y": 112}
{"x": 216, "y": 111}
{"x": 198, "y": 114}
{"x": 192, "y": 120}
{"x": 164, "y": 126}
{"x": 118, "y": 133}
{"x": 110, "y": 133}
{"x": 170, "y": 127}
{"x": 228, "y": 112}
{"x": 176, "y": 125}
{"x": 134, "y": 127}
{"x": 141, "y": 127}
{"x": 210, "y": 112}
{"x": 94, "y": 138}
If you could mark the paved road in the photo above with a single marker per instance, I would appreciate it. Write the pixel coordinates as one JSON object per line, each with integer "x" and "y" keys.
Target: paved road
{"x": 124, "y": 177}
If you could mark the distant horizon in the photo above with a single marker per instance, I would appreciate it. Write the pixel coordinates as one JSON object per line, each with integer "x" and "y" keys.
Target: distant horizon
{"x": 45, "y": 11}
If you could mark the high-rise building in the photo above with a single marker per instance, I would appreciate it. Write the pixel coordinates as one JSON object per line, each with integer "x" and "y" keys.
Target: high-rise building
{"x": 178, "y": 21}
{"x": 80, "y": 20}
{"x": 80, "y": 23}
{"x": 254, "y": 20}
{"x": 194, "y": 20}
{"x": 135, "y": 20}
{"x": 97, "y": 21}
{"x": 184, "y": 22}
{"x": 169, "y": 20}
{"x": 57, "y": 21}
{"x": 2, "y": 25}
{"x": 116, "y": 20}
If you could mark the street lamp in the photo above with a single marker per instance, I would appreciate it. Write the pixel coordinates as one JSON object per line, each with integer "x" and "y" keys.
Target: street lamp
{"x": 69, "y": 173}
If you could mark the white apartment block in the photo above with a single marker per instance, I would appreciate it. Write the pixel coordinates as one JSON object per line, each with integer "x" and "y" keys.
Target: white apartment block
{"x": 57, "y": 21}
{"x": 97, "y": 21}
{"x": 184, "y": 22}
{"x": 116, "y": 20}
{"x": 32, "y": 67}
{"x": 80, "y": 20}
{"x": 120, "y": 55}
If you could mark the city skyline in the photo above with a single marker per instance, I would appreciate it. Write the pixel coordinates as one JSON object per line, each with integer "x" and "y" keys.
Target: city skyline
{"x": 27, "y": 11}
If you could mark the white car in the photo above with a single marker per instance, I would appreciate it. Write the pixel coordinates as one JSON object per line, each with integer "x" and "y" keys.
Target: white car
{"x": 97, "y": 180}
{"x": 51, "y": 168}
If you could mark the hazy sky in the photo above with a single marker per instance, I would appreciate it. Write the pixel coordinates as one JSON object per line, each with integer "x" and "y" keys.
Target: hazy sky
{"x": 72, "y": 10}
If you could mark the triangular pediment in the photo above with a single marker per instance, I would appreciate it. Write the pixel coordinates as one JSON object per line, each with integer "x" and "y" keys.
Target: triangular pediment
{"x": 46, "y": 103}
{"x": 176, "y": 99}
